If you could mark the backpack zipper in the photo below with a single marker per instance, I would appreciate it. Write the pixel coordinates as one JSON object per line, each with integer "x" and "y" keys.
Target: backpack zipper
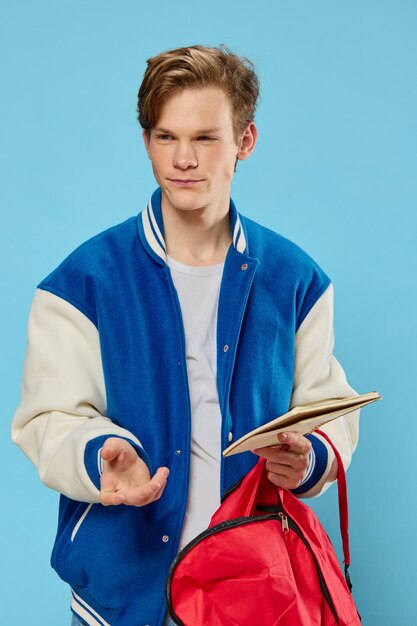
{"x": 288, "y": 523}
{"x": 284, "y": 522}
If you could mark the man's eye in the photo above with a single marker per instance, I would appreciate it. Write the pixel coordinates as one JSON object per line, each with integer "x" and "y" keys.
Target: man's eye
{"x": 164, "y": 137}
{"x": 206, "y": 138}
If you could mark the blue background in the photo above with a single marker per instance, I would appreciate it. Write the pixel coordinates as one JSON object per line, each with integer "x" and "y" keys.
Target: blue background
{"x": 334, "y": 170}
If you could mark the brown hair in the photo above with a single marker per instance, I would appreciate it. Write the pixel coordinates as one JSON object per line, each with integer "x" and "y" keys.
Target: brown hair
{"x": 194, "y": 67}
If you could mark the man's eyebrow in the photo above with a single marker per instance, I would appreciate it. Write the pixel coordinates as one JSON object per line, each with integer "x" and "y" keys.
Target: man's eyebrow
{"x": 204, "y": 131}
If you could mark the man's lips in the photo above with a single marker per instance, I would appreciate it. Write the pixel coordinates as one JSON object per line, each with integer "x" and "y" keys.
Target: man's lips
{"x": 185, "y": 182}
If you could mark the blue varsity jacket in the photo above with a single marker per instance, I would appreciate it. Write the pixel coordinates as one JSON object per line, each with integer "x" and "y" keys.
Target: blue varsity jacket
{"x": 116, "y": 558}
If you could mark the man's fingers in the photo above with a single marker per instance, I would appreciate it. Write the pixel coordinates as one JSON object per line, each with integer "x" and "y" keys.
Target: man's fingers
{"x": 120, "y": 456}
{"x": 295, "y": 471}
{"x": 275, "y": 455}
{"x": 287, "y": 462}
{"x": 136, "y": 495}
{"x": 285, "y": 466}
{"x": 111, "y": 448}
{"x": 153, "y": 489}
{"x": 289, "y": 445}
{"x": 297, "y": 443}
{"x": 112, "y": 498}
{"x": 281, "y": 480}
{"x": 160, "y": 477}
{"x": 286, "y": 476}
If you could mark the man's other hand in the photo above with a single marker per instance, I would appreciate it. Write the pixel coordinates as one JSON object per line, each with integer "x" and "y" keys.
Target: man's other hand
{"x": 126, "y": 478}
{"x": 287, "y": 462}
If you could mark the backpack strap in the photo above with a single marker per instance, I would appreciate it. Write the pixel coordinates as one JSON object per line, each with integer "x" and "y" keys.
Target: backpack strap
{"x": 343, "y": 505}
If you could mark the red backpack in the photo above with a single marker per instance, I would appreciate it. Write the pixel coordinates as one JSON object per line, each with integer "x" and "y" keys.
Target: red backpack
{"x": 265, "y": 560}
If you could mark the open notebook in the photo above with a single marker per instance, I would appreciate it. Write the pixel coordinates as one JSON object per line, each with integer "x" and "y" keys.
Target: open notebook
{"x": 302, "y": 419}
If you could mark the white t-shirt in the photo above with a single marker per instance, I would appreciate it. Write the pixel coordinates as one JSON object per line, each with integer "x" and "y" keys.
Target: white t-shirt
{"x": 198, "y": 292}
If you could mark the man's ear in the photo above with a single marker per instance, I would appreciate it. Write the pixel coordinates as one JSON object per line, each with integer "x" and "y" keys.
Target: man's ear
{"x": 247, "y": 142}
{"x": 146, "y": 137}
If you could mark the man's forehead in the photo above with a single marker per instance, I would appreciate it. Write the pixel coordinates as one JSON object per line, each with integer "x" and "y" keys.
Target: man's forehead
{"x": 197, "y": 110}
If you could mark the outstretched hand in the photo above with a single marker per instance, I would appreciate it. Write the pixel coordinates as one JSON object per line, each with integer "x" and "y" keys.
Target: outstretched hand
{"x": 287, "y": 462}
{"x": 126, "y": 478}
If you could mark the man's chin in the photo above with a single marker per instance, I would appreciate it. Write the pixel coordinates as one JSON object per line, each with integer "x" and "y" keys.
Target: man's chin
{"x": 184, "y": 199}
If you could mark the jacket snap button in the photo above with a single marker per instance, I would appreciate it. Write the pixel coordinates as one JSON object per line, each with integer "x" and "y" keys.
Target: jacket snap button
{"x": 165, "y": 538}
{"x": 230, "y": 436}
{"x": 244, "y": 267}
{"x": 225, "y": 349}
{"x": 177, "y": 452}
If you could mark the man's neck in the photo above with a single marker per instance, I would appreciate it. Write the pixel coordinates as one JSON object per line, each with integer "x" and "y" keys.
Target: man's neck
{"x": 199, "y": 236}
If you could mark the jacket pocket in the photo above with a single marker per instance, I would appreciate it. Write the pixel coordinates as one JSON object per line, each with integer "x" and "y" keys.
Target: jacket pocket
{"x": 80, "y": 521}
{"x": 93, "y": 537}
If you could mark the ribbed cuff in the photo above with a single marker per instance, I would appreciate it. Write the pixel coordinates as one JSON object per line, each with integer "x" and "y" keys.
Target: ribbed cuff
{"x": 317, "y": 465}
{"x": 94, "y": 463}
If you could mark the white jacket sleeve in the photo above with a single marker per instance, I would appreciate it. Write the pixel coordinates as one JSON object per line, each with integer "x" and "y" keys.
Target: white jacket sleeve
{"x": 318, "y": 375}
{"x": 63, "y": 402}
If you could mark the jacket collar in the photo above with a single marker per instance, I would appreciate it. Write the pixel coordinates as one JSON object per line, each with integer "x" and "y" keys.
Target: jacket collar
{"x": 151, "y": 229}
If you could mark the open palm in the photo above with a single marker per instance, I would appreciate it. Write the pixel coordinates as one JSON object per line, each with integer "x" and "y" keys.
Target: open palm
{"x": 126, "y": 478}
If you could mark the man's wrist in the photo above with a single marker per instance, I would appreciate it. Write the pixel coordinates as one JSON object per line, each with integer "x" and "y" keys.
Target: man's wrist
{"x": 317, "y": 466}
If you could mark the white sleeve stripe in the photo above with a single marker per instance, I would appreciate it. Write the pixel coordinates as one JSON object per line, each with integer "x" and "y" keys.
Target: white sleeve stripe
{"x": 100, "y": 461}
{"x": 85, "y": 611}
{"x": 310, "y": 468}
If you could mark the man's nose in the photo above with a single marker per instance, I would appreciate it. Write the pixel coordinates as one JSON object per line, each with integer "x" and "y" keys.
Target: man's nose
{"x": 185, "y": 156}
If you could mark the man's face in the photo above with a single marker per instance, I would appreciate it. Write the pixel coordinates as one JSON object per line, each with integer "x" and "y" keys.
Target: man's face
{"x": 193, "y": 149}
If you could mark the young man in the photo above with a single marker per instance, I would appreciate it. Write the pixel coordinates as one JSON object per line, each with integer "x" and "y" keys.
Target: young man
{"x": 158, "y": 342}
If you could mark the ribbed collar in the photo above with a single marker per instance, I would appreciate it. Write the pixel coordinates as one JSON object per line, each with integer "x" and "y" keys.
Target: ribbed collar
{"x": 153, "y": 228}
